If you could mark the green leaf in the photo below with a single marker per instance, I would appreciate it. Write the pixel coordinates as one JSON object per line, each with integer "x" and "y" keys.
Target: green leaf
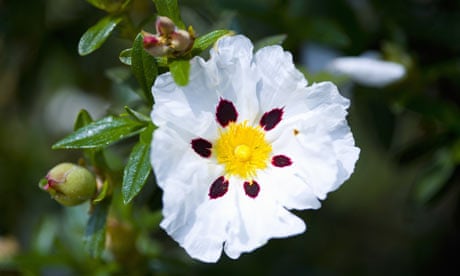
{"x": 103, "y": 193}
{"x": 100, "y": 133}
{"x": 180, "y": 69}
{"x": 111, "y": 6}
{"x": 137, "y": 115}
{"x": 144, "y": 67}
{"x": 203, "y": 42}
{"x": 170, "y": 8}
{"x": 271, "y": 40}
{"x": 146, "y": 135}
{"x": 136, "y": 171}
{"x": 94, "y": 238}
{"x": 125, "y": 56}
{"x": 83, "y": 119}
{"x": 95, "y": 36}
{"x": 432, "y": 180}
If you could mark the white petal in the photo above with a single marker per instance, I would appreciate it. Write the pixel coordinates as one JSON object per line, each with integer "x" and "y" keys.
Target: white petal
{"x": 279, "y": 77}
{"x": 258, "y": 220}
{"x": 207, "y": 230}
{"x": 232, "y": 75}
{"x": 368, "y": 71}
{"x": 291, "y": 191}
{"x": 232, "y": 49}
{"x": 189, "y": 217}
{"x": 319, "y": 141}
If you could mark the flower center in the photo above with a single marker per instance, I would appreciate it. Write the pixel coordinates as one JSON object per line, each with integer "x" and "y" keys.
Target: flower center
{"x": 242, "y": 149}
{"x": 242, "y": 152}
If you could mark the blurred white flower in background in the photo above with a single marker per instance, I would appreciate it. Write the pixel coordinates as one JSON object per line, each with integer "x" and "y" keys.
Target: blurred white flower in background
{"x": 367, "y": 69}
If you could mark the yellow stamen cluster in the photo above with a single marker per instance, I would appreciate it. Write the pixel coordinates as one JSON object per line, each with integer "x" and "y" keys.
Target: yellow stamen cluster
{"x": 242, "y": 149}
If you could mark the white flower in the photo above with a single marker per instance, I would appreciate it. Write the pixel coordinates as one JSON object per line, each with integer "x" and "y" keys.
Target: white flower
{"x": 368, "y": 71}
{"x": 245, "y": 141}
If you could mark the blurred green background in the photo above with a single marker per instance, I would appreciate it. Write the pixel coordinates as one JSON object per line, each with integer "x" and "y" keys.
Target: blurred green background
{"x": 397, "y": 215}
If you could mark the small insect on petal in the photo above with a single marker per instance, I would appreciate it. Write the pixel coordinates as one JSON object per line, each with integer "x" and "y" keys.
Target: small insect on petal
{"x": 226, "y": 112}
{"x": 251, "y": 189}
{"x": 202, "y": 147}
{"x": 281, "y": 161}
{"x": 218, "y": 188}
{"x": 270, "y": 119}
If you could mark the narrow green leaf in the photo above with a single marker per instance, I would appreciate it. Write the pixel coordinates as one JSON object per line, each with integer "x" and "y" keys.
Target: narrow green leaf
{"x": 144, "y": 68}
{"x": 432, "y": 180}
{"x": 146, "y": 135}
{"x": 125, "y": 56}
{"x": 100, "y": 133}
{"x": 94, "y": 238}
{"x": 180, "y": 69}
{"x": 103, "y": 193}
{"x": 111, "y": 6}
{"x": 170, "y": 8}
{"x": 271, "y": 40}
{"x": 136, "y": 171}
{"x": 95, "y": 36}
{"x": 83, "y": 119}
{"x": 137, "y": 115}
{"x": 203, "y": 42}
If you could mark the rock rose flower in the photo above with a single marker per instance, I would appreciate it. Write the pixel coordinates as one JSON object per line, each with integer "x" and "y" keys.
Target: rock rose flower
{"x": 243, "y": 143}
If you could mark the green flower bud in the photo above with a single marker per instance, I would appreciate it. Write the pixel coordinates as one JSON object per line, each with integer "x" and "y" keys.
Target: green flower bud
{"x": 69, "y": 184}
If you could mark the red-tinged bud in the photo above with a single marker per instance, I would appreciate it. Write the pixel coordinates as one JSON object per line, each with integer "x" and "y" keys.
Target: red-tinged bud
{"x": 69, "y": 184}
{"x": 155, "y": 45}
{"x": 164, "y": 25}
{"x": 150, "y": 40}
{"x": 181, "y": 41}
{"x": 158, "y": 51}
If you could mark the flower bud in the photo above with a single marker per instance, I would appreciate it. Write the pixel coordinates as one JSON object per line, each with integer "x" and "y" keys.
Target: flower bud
{"x": 70, "y": 184}
{"x": 164, "y": 25}
{"x": 154, "y": 45}
{"x": 181, "y": 41}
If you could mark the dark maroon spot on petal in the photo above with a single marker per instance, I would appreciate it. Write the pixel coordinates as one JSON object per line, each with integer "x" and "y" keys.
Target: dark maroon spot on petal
{"x": 218, "y": 188}
{"x": 226, "y": 112}
{"x": 202, "y": 147}
{"x": 281, "y": 161}
{"x": 251, "y": 189}
{"x": 271, "y": 118}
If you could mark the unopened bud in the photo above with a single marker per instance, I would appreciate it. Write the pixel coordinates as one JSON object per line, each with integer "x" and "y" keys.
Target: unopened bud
{"x": 181, "y": 41}
{"x": 70, "y": 184}
{"x": 164, "y": 25}
{"x": 154, "y": 45}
